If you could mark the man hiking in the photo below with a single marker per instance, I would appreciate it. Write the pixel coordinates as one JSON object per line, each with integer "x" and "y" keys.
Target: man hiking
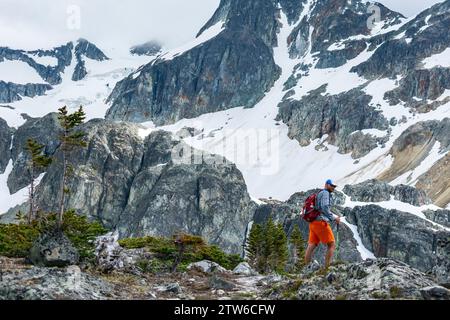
{"x": 320, "y": 229}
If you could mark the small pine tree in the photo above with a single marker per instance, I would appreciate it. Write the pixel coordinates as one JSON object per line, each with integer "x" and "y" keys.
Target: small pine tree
{"x": 267, "y": 247}
{"x": 70, "y": 139}
{"x": 280, "y": 249}
{"x": 38, "y": 160}
{"x": 298, "y": 245}
{"x": 269, "y": 257}
{"x": 256, "y": 247}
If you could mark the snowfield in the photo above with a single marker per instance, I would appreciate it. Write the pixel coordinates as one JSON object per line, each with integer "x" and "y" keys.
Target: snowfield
{"x": 90, "y": 92}
{"x": 18, "y": 72}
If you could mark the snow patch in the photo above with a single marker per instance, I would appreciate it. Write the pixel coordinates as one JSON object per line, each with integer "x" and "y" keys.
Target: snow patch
{"x": 7, "y": 200}
{"x": 208, "y": 34}
{"x": 45, "y": 60}
{"x": 393, "y": 204}
{"x": 363, "y": 251}
{"x": 18, "y": 72}
{"x": 438, "y": 60}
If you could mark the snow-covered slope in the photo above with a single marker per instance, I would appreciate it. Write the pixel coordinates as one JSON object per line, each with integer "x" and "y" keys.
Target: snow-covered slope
{"x": 273, "y": 164}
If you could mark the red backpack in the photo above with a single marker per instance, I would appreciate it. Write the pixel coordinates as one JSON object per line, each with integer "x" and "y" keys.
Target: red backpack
{"x": 310, "y": 213}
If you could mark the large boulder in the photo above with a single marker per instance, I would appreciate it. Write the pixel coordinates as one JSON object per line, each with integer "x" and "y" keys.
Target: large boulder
{"x": 53, "y": 249}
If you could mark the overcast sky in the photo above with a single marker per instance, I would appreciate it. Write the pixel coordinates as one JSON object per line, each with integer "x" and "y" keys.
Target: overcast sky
{"x": 46, "y": 23}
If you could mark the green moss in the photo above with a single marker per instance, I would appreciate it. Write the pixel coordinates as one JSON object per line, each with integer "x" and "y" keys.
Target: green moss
{"x": 395, "y": 292}
{"x": 16, "y": 240}
{"x": 379, "y": 295}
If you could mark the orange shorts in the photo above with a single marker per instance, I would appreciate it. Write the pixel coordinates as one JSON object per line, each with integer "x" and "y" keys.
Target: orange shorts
{"x": 320, "y": 232}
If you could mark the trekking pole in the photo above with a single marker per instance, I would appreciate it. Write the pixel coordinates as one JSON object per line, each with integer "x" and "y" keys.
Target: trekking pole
{"x": 337, "y": 238}
{"x": 337, "y": 241}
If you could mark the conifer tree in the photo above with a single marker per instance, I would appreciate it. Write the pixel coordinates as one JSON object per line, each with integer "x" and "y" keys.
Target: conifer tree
{"x": 38, "y": 161}
{"x": 256, "y": 247}
{"x": 269, "y": 231}
{"x": 280, "y": 249}
{"x": 70, "y": 139}
{"x": 298, "y": 245}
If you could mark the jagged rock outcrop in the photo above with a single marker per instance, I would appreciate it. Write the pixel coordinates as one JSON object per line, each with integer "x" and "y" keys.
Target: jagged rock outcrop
{"x": 338, "y": 116}
{"x": 378, "y": 191}
{"x": 6, "y": 135}
{"x": 421, "y": 86}
{"x": 51, "y": 74}
{"x": 382, "y": 279}
{"x": 404, "y": 237}
{"x": 150, "y": 48}
{"x": 332, "y": 22}
{"x": 233, "y": 69}
{"x": 398, "y": 52}
{"x": 85, "y": 49}
{"x": 10, "y": 92}
{"x": 139, "y": 188}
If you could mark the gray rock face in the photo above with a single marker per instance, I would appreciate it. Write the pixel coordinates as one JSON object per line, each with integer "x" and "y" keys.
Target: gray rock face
{"x": 404, "y": 237}
{"x": 138, "y": 188}
{"x": 46, "y": 131}
{"x": 233, "y": 69}
{"x": 439, "y": 216}
{"x": 53, "y": 250}
{"x": 6, "y": 135}
{"x": 150, "y": 48}
{"x": 337, "y": 116}
{"x": 10, "y": 92}
{"x": 378, "y": 191}
{"x": 167, "y": 91}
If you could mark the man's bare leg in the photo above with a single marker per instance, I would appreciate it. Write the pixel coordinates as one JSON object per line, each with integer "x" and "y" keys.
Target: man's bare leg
{"x": 310, "y": 252}
{"x": 330, "y": 254}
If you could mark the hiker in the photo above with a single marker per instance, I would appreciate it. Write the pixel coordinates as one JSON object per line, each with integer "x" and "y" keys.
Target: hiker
{"x": 320, "y": 229}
